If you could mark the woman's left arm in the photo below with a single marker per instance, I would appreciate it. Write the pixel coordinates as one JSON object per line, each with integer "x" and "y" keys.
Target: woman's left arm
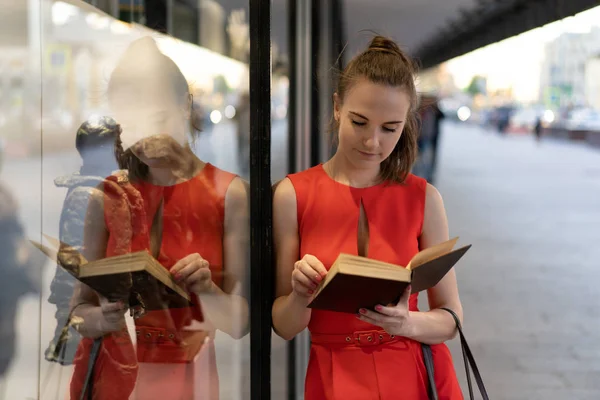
{"x": 437, "y": 326}
{"x": 434, "y": 326}
{"x": 225, "y": 308}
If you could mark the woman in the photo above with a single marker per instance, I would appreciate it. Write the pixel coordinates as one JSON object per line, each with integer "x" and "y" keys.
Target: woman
{"x": 192, "y": 216}
{"x": 365, "y": 201}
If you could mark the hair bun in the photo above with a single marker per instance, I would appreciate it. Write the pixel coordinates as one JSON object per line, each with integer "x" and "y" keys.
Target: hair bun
{"x": 386, "y": 45}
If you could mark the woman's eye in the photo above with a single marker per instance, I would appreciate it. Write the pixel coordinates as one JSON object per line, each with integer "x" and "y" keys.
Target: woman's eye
{"x": 357, "y": 123}
{"x": 389, "y": 129}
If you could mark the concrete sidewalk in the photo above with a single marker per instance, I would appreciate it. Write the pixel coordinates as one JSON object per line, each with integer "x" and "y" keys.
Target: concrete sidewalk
{"x": 529, "y": 284}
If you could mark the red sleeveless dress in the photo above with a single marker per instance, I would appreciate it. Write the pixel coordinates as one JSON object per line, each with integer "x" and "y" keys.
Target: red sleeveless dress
{"x": 378, "y": 367}
{"x": 175, "y": 360}
{"x": 171, "y": 360}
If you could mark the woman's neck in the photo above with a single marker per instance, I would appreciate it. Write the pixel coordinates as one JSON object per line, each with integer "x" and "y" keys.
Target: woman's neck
{"x": 342, "y": 170}
{"x": 183, "y": 168}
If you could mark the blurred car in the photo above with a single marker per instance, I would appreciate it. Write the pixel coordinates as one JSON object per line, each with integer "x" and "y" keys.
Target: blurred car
{"x": 583, "y": 119}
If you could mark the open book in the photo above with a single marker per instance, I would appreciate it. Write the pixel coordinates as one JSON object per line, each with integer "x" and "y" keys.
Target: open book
{"x": 137, "y": 279}
{"x": 355, "y": 282}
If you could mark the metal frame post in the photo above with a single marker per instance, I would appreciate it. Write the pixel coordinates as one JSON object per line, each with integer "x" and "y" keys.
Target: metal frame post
{"x": 292, "y": 160}
{"x": 261, "y": 254}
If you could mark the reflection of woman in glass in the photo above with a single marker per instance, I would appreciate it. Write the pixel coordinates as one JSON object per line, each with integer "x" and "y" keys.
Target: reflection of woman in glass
{"x": 194, "y": 219}
{"x": 242, "y": 116}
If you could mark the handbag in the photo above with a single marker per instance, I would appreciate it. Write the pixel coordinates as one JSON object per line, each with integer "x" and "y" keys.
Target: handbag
{"x": 469, "y": 361}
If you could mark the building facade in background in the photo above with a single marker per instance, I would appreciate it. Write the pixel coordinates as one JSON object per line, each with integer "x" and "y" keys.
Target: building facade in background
{"x": 563, "y": 78}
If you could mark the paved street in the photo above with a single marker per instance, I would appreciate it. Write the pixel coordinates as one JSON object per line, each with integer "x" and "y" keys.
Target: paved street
{"x": 532, "y": 213}
{"x": 529, "y": 284}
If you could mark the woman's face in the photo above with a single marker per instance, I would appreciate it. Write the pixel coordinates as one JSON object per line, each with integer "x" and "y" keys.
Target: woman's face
{"x": 153, "y": 122}
{"x": 371, "y": 119}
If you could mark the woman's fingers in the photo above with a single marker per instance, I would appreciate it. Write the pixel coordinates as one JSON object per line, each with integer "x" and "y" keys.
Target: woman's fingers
{"x": 405, "y": 296}
{"x": 309, "y": 271}
{"x": 315, "y": 264}
{"x": 113, "y": 312}
{"x": 112, "y": 307}
{"x": 199, "y": 275}
{"x": 307, "y": 275}
{"x": 113, "y": 317}
{"x": 185, "y": 262}
{"x": 187, "y": 266}
{"x": 304, "y": 280}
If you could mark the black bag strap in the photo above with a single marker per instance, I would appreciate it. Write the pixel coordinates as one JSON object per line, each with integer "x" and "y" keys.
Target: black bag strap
{"x": 89, "y": 376}
{"x": 468, "y": 358}
{"x": 428, "y": 359}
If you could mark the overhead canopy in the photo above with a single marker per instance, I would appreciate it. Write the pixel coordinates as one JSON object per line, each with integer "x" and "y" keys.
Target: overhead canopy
{"x": 435, "y": 31}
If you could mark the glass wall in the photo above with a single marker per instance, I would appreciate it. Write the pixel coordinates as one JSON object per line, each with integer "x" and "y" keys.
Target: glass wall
{"x": 279, "y": 159}
{"x": 21, "y": 205}
{"x": 78, "y": 77}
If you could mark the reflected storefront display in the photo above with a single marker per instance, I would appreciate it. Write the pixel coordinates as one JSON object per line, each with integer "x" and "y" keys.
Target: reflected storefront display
{"x": 69, "y": 143}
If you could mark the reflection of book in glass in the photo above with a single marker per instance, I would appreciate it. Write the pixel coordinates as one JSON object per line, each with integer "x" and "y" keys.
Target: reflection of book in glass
{"x": 137, "y": 279}
{"x": 355, "y": 282}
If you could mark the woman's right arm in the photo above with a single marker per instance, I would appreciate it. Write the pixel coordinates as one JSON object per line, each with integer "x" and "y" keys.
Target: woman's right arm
{"x": 98, "y": 316}
{"x": 294, "y": 288}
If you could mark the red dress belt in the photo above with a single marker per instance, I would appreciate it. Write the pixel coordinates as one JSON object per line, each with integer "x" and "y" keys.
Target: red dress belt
{"x": 358, "y": 338}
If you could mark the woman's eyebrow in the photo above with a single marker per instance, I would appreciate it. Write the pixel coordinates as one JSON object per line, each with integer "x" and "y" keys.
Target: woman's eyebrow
{"x": 385, "y": 123}
{"x": 359, "y": 115}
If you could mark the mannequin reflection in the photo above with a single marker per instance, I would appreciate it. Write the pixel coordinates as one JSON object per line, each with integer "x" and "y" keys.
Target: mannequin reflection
{"x": 95, "y": 141}
{"x": 191, "y": 215}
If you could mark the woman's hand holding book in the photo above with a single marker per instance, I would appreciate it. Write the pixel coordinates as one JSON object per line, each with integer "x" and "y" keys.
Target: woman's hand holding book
{"x": 394, "y": 319}
{"x": 307, "y": 275}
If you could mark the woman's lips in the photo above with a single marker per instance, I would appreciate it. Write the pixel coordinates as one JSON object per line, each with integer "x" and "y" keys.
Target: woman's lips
{"x": 368, "y": 155}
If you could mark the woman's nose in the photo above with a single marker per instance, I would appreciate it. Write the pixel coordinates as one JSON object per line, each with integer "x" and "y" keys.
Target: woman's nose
{"x": 371, "y": 139}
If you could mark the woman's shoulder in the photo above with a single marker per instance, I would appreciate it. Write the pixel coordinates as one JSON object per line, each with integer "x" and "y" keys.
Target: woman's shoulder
{"x": 226, "y": 189}
{"x": 218, "y": 173}
{"x": 287, "y": 187}
{"x": 412, "y": 187}
{"x": 434, "y": 202}
{"x": 284, "y": 193}
{"x": 217, "y": 178}
{"x": 308, "y": 173}
{"x": 306, "y": 178}
{"x": 416, "y": 182}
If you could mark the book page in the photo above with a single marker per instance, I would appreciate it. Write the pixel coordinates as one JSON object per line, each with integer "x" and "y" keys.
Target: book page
{"x": 367, "y": 267}
{"x": 432, "y": 252}
{"x": 57, "y": 244}
{"x": 364, "y": 261}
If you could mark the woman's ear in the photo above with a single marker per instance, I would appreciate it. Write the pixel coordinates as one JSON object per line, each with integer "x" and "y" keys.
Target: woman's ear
{"x": 336, "y": 107}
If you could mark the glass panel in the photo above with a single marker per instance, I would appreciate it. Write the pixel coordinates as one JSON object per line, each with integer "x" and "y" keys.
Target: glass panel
{"x": 117, "y": 141}
{"x": 20, "y": 193}
{"x": 279, "y": 161}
